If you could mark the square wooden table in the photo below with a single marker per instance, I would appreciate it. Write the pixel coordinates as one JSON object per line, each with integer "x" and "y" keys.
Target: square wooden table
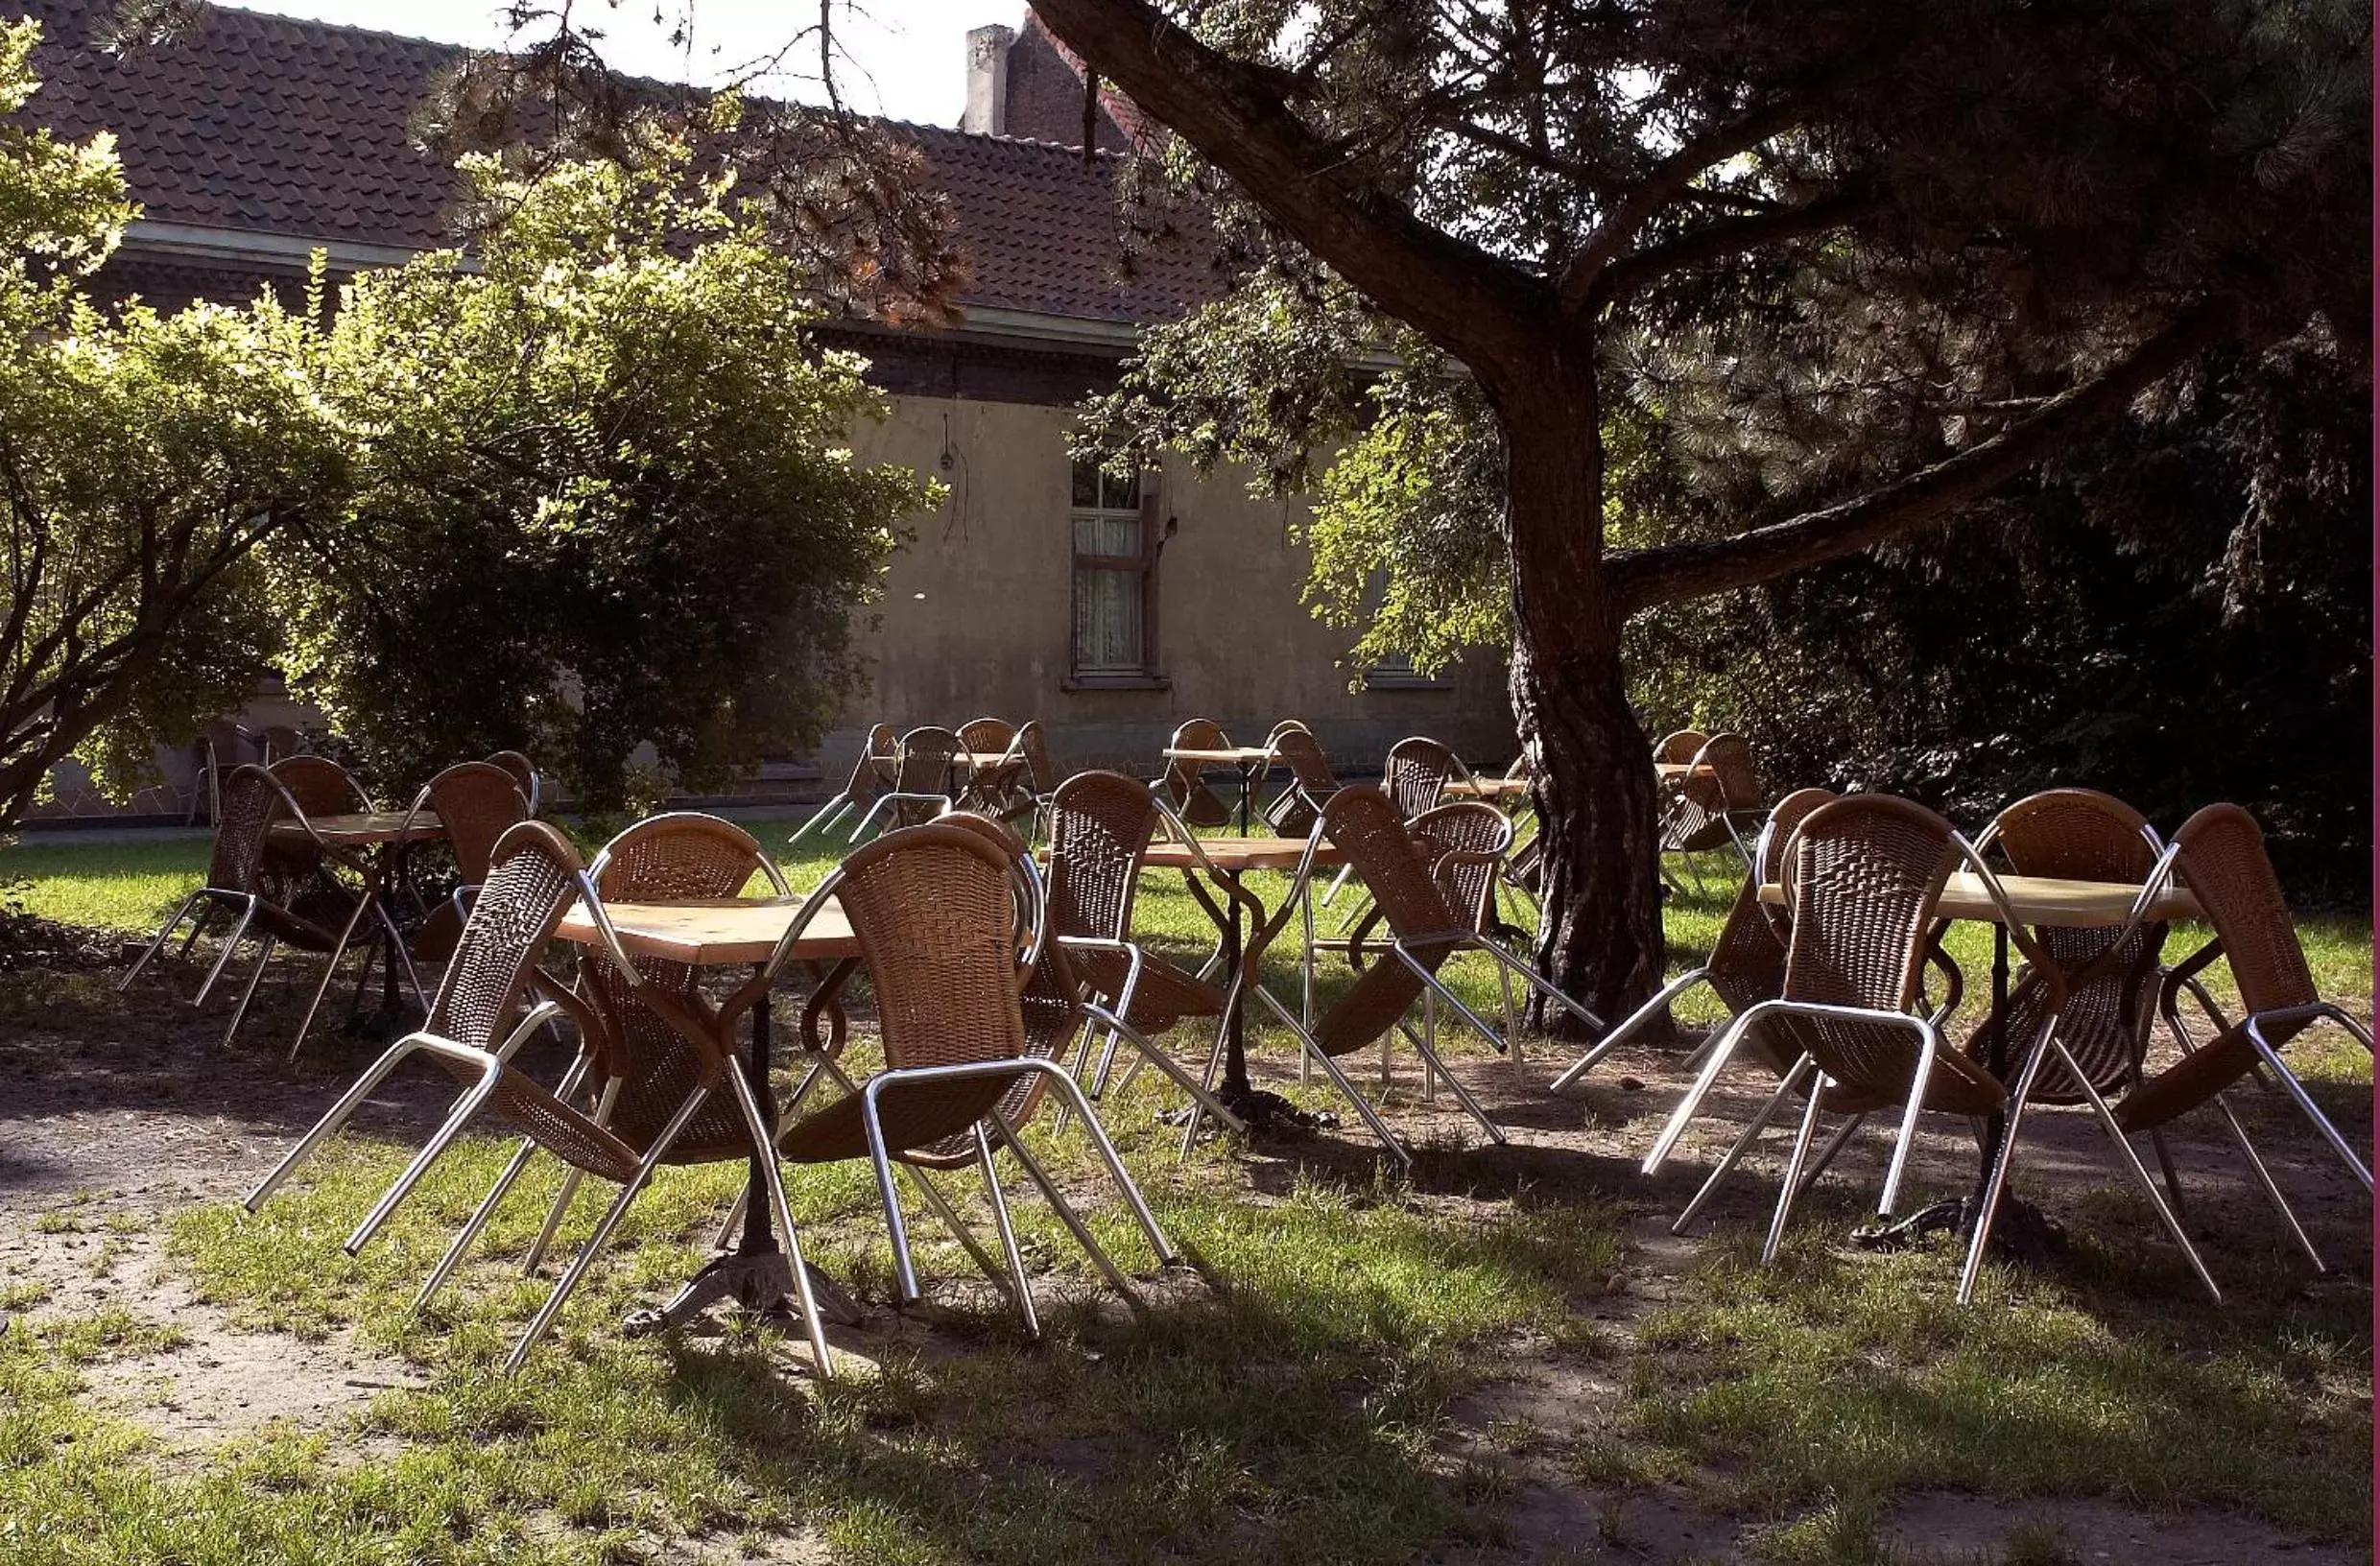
{"x": 1230, "y": 858}
{"x": 1252, "y": 760}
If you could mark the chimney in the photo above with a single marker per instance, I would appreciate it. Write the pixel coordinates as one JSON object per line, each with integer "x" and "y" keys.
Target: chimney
{"x": 988, "y": 80}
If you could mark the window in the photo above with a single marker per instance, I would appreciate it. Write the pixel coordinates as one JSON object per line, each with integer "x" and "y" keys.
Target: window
{"x": 1115, "y": 576}
{"x": 1395, "y": 672}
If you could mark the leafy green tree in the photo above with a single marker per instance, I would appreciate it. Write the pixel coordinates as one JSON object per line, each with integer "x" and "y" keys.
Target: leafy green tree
{"x": 142, "y": 458}
{"x": 602, "y": 500}
{"x": 1739, "y": 291}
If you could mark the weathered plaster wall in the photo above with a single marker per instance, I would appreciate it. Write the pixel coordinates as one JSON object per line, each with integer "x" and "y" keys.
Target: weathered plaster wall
{"x": 977, "y": 616}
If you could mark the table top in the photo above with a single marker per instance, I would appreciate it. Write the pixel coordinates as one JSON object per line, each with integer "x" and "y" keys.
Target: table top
{"x": 1486, "y": 788}
{"x": 360, "y": 830}
{"x": 1680, "y": 769}
{"x": 980, "y": 759}
{"x": 1232, "y": 855}
{"x": 1235, "y": 755}
{"x": 720, "y": 931}
{"x": 2047, "y": 900}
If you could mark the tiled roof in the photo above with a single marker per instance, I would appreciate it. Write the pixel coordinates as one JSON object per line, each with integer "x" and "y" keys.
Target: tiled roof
{"x": 278, "y": 125}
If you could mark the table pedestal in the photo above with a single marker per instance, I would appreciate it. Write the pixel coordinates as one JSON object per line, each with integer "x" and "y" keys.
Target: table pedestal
{"x": 757, "y": 1275}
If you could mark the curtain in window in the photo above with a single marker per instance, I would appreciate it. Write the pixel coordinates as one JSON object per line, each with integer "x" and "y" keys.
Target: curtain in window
{"x": 1106, "y": 604}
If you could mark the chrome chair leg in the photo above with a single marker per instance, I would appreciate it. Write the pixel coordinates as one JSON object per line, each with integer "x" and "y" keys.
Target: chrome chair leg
{"x": 222, "y": 958}
{"x": 2272, "y": 1190}
{"x": 1007, "y": 1232}
{"x": 164, "y": 930}
{"x": 764, "y": 1143}
{"x": 958, "y": 1227}
{"x": 465, "y": 1107}
{"x": 1065, "y": 1210}
{"x": 1793, "y": 1170}
{"x": 1743, "y": 1141}
{"x": 572, "y": 1174}
{"x": 247, "y": 991}
{"x": 604, "y": 1227}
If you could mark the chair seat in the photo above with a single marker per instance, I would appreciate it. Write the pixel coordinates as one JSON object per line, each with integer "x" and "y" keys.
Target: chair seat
{"x": 1164, "y": 995}
{"x": 2200, "y": 1074}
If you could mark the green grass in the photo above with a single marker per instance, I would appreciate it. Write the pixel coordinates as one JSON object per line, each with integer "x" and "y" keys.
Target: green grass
{"x": 1857, "y": 1376}
{"x": 1290, "y": 1409}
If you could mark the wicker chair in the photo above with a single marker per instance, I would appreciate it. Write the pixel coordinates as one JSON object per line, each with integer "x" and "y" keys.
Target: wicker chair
{"x": 1861, "y": 878}
{"x": 2098, "y": 1040}
{"x": 1041, "y": 777}
{"x": 284, "y": 894}
{"x": 2219, "y": 853}
{"x": 278, "y": 742}
{"x": 1713, "y": 805}
{"x": 475, "y": 1023}
{"x": 679, "y": 857}
{"x": 870, "y": 774}
{"x": 476, "y": 802}
{"x": 920, "y": 788}
{"x": 1100, "y": 824}
{"x": 1467, "y": 843}
{"x": 1409, "y": 886}
{"x": 1312, "y": 783}
{"x": 524, "y": 772}
{"x": 1185, "y": 781}
{"x": 991, "y": 789}
{"x": 1747, "y": 963}
{"x": 1414, "y": 776}
{"x": 934, "y": 909}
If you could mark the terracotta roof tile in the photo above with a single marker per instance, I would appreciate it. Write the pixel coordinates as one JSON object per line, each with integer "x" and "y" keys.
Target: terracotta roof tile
{"x": 276, "y": 125}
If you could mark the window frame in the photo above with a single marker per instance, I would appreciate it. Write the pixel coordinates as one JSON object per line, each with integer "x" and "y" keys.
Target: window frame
{"x": 1147, "y": 673}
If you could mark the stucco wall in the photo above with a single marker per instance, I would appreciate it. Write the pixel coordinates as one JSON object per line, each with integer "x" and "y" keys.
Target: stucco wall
{"x": 977, "y": 616}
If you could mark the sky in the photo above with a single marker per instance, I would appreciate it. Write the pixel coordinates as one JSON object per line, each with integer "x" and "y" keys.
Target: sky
{"x": 907, "y": 58}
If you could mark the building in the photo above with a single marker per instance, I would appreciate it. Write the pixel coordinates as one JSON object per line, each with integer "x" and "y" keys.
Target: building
{"x": 1112, "y": 611}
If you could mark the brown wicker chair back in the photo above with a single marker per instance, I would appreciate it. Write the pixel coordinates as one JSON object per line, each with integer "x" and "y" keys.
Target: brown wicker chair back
{"x": 524, "y": 775}
{"x": 2084, "y": 835}
{"x": 529, "y": 882}
{"x": 1466, "y": 827}
{"x": 987, "y": 736}
{"x": 1681, "y": 747}
{"x": 321, "y": 786}
{"x": 1186, "y": 782}
{"x": 659, "y": 1058}
{"x": 1099, "y": 825}
{"x": 1366, "y": 826}
{"x": 1312, "y": 781}
{"x": 2220, "y": 858}
{"x": 1861, "y": 877}
{"x": 250, "y": 805}
{"x": 1414, "y": 773}
{"x": 926, "y": 754}
{"x": 936, "y": 919}
{"x": 1032, "y": 743}
{"x": 1747, "y": 959}
{"x": 476, "y": 802}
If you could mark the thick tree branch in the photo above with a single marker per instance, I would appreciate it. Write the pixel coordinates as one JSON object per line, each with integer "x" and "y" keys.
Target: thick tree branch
{"x": 1479, "y": 308}
{"x": 1668, "y": 179}
{"x": 1641, "y": 269}
{"x": 1644, "y": 578}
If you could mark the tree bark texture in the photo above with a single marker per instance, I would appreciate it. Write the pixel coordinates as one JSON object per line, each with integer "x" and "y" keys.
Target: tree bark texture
{"x": 1590, "y": 762}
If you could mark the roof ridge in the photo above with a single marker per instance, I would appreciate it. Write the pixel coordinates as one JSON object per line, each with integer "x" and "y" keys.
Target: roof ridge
{"x": 264, "y": 14}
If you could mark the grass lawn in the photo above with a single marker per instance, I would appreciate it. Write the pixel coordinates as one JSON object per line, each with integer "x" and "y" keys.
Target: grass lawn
{"x": 1310, "y": 1390}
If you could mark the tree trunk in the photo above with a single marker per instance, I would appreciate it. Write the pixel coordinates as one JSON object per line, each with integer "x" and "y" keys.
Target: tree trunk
{"x": 1601, "y": 939}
